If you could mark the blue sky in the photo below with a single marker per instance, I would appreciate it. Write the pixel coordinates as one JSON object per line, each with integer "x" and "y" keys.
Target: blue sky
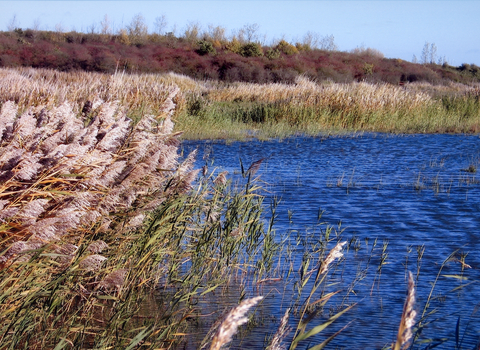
{"x": 399, "y": 29}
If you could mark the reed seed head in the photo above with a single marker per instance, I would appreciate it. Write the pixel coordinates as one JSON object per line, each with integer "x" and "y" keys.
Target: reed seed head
{"x": 335, "y": 253}
{"x": 407, "y": 321}
{"x": 281, "y": 333}
{"x": 234, "y": 319}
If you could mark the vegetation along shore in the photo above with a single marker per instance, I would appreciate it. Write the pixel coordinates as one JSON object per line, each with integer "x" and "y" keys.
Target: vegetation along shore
{"x": 98, "y": 211}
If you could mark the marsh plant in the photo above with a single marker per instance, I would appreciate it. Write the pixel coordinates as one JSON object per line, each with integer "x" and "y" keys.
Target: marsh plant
{"x": 98, "y": 211}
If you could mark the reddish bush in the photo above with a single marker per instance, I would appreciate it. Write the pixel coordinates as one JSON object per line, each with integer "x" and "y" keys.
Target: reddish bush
{"x": 156, "y": 54}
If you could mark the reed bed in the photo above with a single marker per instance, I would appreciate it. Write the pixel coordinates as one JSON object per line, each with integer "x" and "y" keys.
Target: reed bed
{"x": 98, "y": 212}
{"x": 208, "y": 109}
{"x": 312, "y": 108}
{"x": 138, "y": 94}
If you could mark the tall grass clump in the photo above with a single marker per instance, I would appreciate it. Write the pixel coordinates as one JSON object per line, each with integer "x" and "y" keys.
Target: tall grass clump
{"x": 311, "y": 108}
{"x": 97, "y": 212}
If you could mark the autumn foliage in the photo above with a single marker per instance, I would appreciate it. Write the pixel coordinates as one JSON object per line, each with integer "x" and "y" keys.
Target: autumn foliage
{"x": 213, "y": 59}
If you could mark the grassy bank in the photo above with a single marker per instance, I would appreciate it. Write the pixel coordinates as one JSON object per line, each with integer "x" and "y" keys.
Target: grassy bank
{"x": 278, "y": 110}
{"x": 214, "y": 110}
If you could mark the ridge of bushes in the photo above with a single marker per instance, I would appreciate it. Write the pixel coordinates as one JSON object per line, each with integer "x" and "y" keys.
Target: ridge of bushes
{"x": 206, "y": 58}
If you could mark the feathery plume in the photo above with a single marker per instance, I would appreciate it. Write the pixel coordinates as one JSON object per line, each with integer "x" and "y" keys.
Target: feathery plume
{"x": 253, "y": 168}
{"x": 234, "y": 319}
{"x": 281, "y": 333}
{"x": 29, "y": 167}
{"x": 7, "y": 116}
{"x": 32, "y": 210}
{"x": 407, "y": 321}
{"x": 97, "y": 247}
{"x": 92, "y": 262}
{"x": 81, "y": 175}
{"x": 113, "y": 281}
{"x": 221, "y": 179}
{"x": 335, "y": 253}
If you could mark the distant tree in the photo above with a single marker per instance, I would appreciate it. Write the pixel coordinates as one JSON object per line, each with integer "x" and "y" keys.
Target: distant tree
{"x": 414, "y": 59}
{"x": 311, "y": 40}
{"x": 425, "y": 53}
{"x": 13, "y": 23}
{"x": 286, "y": 48}
{"x": 137, "y": 29}
{"x": 328, "y": 43}
{"x": 429, "y": 53}
{"x": 105, "y": 26}
{"x": 160, "y": 24}
{"x": 234, "y": 45}
{"x": 36, "y": 24}
{"x": 205, "y": 47}
{"x": 192, "y": 32}
{"x": 249, "y": 33}
{"x": 92, "y": 28}
{"x": 216, "y": 34}
{"x": 433, "y": 53}
{"x": 368, "y": 51}
{"x": 272, "y": 54}
{"x": 123, "y": 37}
{"x": 251, "y": 50}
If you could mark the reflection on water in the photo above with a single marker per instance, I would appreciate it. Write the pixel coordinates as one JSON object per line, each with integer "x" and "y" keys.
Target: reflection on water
{"x": 391, "y": 196}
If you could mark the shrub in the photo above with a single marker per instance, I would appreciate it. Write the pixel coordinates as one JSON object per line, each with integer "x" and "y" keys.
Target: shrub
{"x": 234, "y": 46}
{"x": 286, "y": 48}
{"x": 303, "y": 47}
{"x": 272, "y": 54}
{"x": 251, "y": 50}
{"x": 205, "y": 48}
{"x": 368, "y": 69}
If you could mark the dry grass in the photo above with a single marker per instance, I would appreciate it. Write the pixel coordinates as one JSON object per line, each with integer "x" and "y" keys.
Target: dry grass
{"x": 363, "y": 97}
{"x": 96, "y": 210}
{"x": 142, "y": 94}
{"x": 95, "y": 207}
{"x": 58, "y": 175}
{"x": 207, "y": 109}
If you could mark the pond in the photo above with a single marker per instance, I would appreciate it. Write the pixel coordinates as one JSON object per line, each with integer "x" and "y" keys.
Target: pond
{"x": 403, "y": 203}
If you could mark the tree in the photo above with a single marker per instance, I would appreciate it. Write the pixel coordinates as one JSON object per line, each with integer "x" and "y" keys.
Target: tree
{"x": 251, "y": 50}
{"x": 36, "y": 24}
{"x": 286, "y": 48}
{"x": 425, "y": 53}
{"x": 192, "y": 31}
{"x": 105, "y": 26}
{"x": 429, "y": 53}
{"x": 216, "y": 34}
{"x": 160, "y": 24}
{"x": 328, "y": 43}
{"x": 13, "y": 23}
{"x": 249, "y": 33}
{"x": 433, "y": 53}
{"x": 311, "y": 40}
{"x": 137, "y": 29}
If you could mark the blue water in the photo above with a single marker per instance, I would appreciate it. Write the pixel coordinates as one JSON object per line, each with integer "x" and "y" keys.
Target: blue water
{"x": 404, "y": 191}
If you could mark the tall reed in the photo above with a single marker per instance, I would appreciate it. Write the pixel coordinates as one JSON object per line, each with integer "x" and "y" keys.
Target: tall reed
{"x": 98, "y": 211}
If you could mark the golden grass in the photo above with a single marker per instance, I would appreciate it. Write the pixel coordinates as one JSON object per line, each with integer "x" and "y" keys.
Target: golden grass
{"x": 208, "y": 110}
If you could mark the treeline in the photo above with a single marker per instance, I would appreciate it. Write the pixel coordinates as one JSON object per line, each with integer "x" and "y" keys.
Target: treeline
{"x": 211, "y": 55}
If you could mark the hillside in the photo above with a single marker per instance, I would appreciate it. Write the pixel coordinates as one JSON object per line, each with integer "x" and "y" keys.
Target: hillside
{"x": 211, "y": 59}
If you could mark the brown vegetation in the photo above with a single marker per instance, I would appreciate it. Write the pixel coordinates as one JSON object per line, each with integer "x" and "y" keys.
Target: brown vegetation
{"x": 214, "y": 57}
